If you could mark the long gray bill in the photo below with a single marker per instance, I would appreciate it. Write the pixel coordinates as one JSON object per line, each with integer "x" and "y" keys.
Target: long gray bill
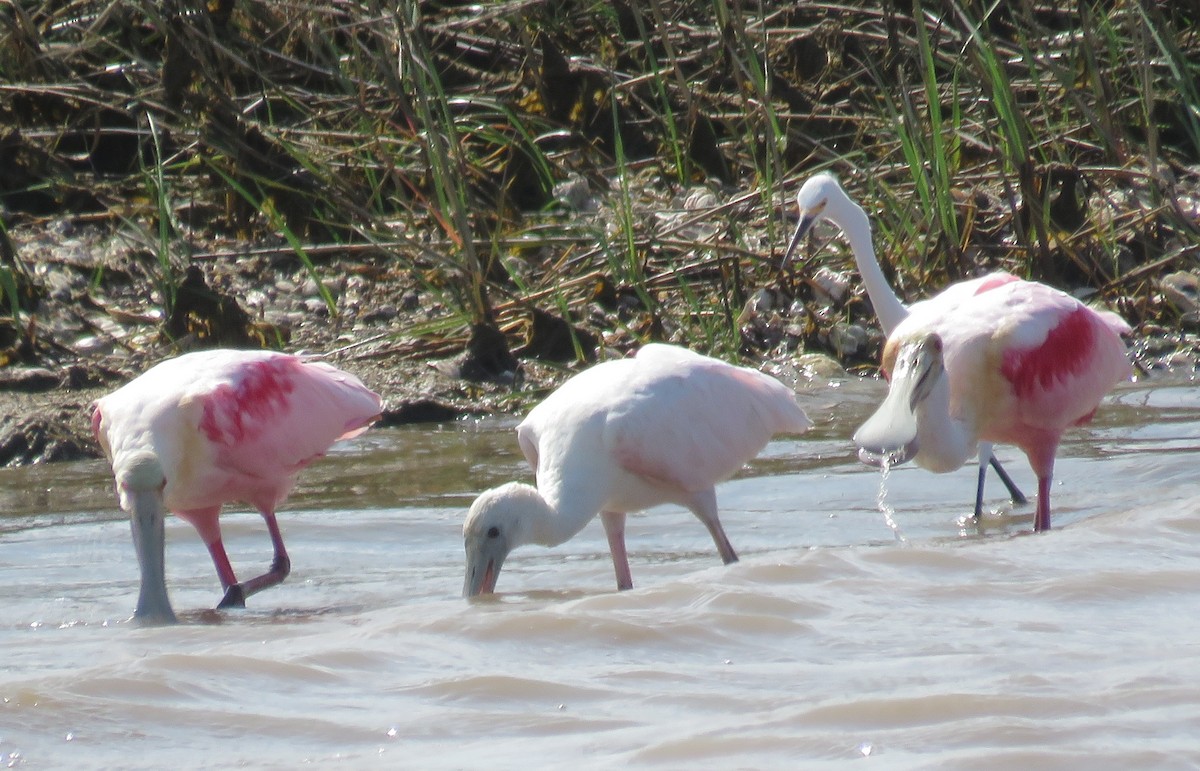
{"x": 802, "y": 227}
{"x": 149, "y": 540}
{"x": 485, "y": 557}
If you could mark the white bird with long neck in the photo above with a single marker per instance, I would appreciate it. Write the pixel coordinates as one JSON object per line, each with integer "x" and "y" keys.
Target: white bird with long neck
{"x": 210, "y": 427}
{"x": 992, "y": 359}
{"x": 665, "y": 426}
{"x": 821, "y": 197}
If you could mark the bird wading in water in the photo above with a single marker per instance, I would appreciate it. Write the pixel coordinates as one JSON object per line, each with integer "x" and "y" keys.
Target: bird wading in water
{"x": 198, "y": 431}
{"x": 992, "y": 359}
{"x": 665, "y": 426}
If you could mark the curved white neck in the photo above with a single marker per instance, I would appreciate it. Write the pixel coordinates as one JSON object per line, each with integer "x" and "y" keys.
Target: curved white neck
{"x": 548, "y": 522}
{"x": 887, "y": 305}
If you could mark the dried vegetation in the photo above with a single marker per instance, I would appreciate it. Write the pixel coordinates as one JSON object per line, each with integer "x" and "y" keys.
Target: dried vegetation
{"x": 512, "y": 187}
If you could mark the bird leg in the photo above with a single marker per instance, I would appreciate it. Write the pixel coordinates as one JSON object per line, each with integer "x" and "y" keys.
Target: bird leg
{"x": 704, "y": 506}
{"x": 281, "y": 565}
{"x": 216, "y": 550}
{"x": 986, "y": 458}
{"x": 208, "y": 525}
{"x": 614, "y": 528}
{"x": 1041, "y": 520}
{"x": 1018, "y": 498}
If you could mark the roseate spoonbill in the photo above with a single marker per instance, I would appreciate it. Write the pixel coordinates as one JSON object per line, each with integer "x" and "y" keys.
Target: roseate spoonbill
{"x": 211, "y": 427}
{"x": 822, "y": 198}
{"x": 1019, "y": 364}
{"x": 662, "y": 427}
{"x": 993, "y": 359}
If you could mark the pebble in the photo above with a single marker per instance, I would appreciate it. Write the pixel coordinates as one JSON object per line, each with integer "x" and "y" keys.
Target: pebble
{"x": 834, "y": 284}
{"x": 385, "y": 312}
{"x": 848, "y": 339}
{"x": 1182, "y": 290}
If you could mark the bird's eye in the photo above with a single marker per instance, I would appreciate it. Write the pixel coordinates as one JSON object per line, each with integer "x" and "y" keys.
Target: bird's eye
{"x": 493, "y": 532}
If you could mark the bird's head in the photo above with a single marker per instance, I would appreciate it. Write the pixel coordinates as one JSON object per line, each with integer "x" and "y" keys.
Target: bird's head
{"x": 497, "y": 522}
{"x": 138, "y": 473}
{"x": 822, "y": 197}
{"x": 889, "y": 437}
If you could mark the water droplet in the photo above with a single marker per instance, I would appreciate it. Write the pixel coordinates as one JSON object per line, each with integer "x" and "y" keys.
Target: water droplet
{"x": 865, "y": 749}
{"x": 881, "y": 501}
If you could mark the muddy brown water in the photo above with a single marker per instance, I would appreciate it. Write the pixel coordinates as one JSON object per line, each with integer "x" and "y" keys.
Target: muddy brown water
{"x": 832, "y": 640}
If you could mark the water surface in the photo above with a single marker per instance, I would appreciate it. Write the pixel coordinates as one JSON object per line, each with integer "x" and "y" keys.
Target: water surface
{"x": 832, "y": 641}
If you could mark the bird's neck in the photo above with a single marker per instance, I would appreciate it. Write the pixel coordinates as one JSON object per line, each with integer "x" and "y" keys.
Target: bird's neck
{"x": 550, "y": 519}
{"x": 887, "y": 305}
{"x": 945, "y": 441}
{"x": 568, "y": 508}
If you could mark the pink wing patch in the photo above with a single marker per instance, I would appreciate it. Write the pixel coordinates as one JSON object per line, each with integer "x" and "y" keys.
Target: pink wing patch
{"x": 995, "y": 280}
{"x": 237, "y": 413}
{"x": 1065, "y": 352}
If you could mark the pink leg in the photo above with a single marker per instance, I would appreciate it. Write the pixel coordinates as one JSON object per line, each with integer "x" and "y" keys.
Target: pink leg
{"x": 208, "y": 525}
{"x": 1041, "y": 459}
{"x": 614, "y": 528}
{"x": 704, "y": 506}
{"x": 221, "y": 561}
{"x": 1041, "y": 521}
{"x": 281, "y": 565}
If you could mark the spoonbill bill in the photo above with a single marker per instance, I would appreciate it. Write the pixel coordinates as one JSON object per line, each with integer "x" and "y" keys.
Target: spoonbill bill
{"x": 207, "y": 428}
{"x": 664, "y": 426}
{"x": 992, "y": 359}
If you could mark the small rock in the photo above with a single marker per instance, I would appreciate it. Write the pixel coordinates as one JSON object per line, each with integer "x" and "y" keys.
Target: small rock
{"x": 1182, "y": 290}
{"x": 574, "y": 192}
{"x": 848, "y": 339}
{"x": 831, "y": 283}
{"x": 316, "y": 307}
{"x": 819, "y": 366}
{"x": 255, "y": 298}
{"x": 90, "y": 345}
{"x": 760, "y": 302}
{"x": 386, "y": 312}
{"x": 700, "y": 199}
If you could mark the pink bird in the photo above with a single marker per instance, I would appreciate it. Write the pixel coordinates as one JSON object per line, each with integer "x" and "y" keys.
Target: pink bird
{"x": 822, "y": 198}
{"x": 211, "y": 427}
{"x": 662, "y": 427}
{"x": 993, "y": 359}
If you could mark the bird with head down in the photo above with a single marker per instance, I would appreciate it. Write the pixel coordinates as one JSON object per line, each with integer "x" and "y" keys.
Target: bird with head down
{"x": 665, "y": 426}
